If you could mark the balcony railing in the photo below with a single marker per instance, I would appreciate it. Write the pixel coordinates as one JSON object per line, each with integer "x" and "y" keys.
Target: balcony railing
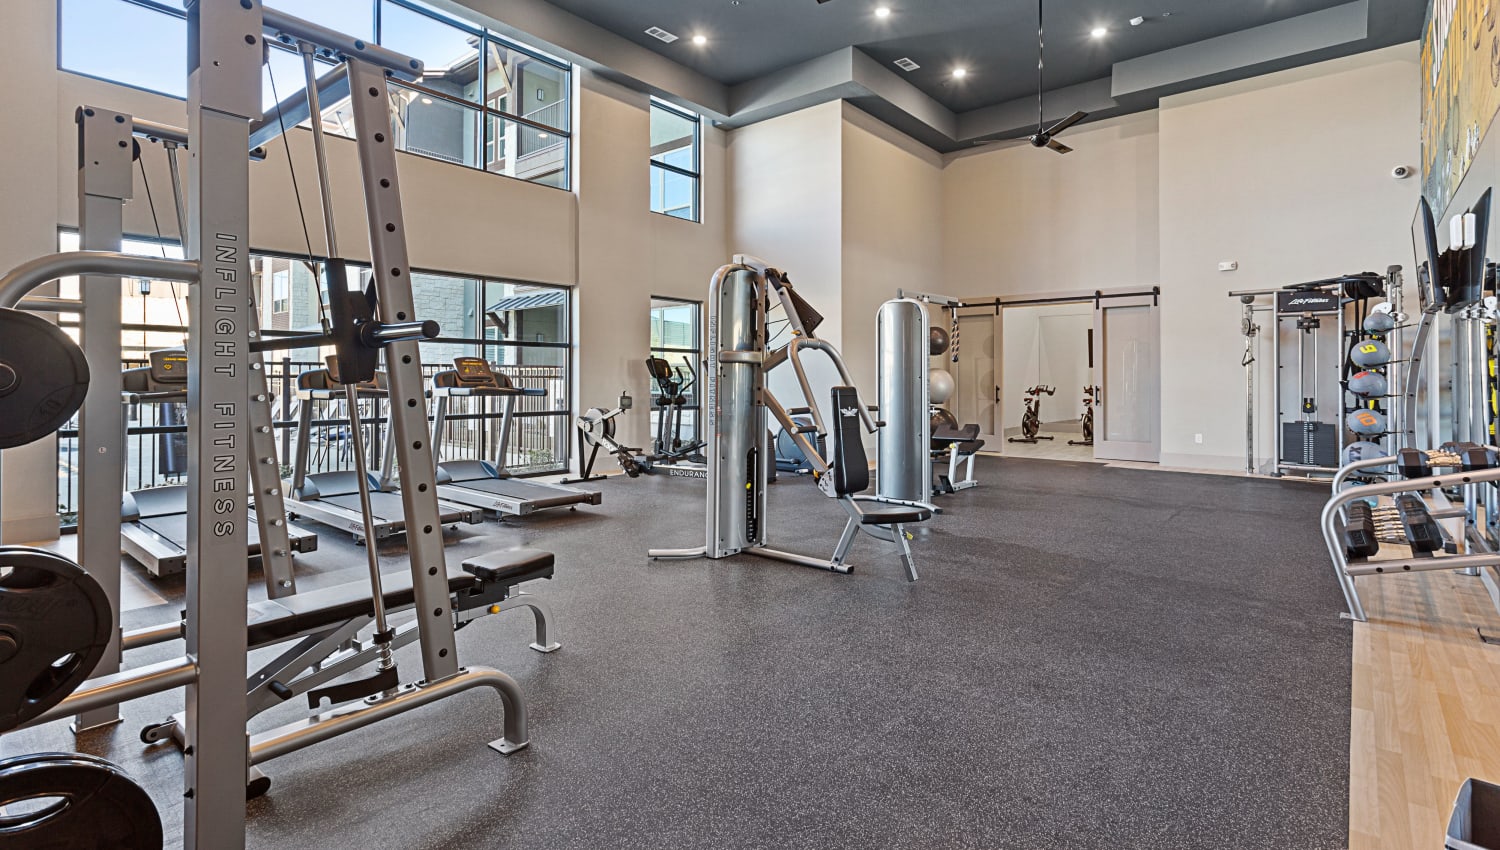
{"x": 156, "y": 436}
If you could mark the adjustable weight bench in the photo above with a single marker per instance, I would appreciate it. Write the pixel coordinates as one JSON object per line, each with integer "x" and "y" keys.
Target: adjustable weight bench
{"x": 851, "y": 476}
{"x": 958, "y": 444}
{"x": 323, "y": 629}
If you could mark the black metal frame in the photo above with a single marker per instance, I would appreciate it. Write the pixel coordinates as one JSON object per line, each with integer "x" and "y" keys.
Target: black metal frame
{"x": 696, "y": 174}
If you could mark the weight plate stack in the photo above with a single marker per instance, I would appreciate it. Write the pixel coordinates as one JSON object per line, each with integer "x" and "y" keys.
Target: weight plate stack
{"x": 43, "y": 378}
{"x": 55, "y": 623}
{"x": 55, "y": 800}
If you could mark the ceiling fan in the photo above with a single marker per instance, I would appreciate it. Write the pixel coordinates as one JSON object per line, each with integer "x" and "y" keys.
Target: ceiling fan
{"x": 1045, "y": 137}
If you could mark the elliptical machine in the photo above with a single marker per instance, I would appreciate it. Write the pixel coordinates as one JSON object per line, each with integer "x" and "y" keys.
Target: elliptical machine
{"x": 1087, "y": 419}
{"x": 672, "y": 386}
{"x": 1031, "y": 420}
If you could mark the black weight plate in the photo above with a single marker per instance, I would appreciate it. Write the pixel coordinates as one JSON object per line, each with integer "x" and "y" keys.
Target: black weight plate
{"x": 55, "y": 622}
{"x": 43, "y": 378}
{"x": 74, "y": 801}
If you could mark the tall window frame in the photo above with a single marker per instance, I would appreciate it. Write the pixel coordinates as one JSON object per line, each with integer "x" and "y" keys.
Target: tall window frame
{"x": 665, "y": 173}
{"x": 531, "y": 142}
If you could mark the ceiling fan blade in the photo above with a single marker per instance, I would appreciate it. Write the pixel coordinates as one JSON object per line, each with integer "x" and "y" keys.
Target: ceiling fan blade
{"x": 996, "y": 144}
{"x": 1059, "y": 146}
{"x": 1066, "y": 123}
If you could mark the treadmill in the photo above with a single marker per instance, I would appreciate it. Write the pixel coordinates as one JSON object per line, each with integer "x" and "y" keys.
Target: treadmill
{"x": 479, "y": 483}
{"x": 153, "y": 521}
{"x": 332, "y": 498}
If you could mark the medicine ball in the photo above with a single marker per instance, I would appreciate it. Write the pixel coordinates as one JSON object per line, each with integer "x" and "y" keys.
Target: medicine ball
{"x": 937, "y": 341}
{"x": 1370, "y": 352}
{"x": 1363, "y": 450}
{"x": 939, "y": 386}
{"x": 1379, "y": 323}
{"x": 941, "y": 417}
{"x": 1367, "y": 421}
{"x": 1367, "y": 384}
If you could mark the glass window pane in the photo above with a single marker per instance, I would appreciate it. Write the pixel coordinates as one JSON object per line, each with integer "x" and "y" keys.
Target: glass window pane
{"x": 436, "y": 128}
{"x": 672, "y": 135}
{"x": 350, "y": 17}
{"x": 125, "y": 43}
{"x": 283, "y": 78}
{"x": 674, "y": 194}
{"x": 450, "y": 54}
{"x": 520, "y": 84}
{"x": 518, "y": 150}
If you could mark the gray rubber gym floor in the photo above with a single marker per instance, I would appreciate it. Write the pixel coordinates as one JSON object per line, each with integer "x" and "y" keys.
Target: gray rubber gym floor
{"x": 1094, "y": 657}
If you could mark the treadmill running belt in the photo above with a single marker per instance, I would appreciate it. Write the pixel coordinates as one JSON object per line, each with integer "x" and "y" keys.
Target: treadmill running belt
{"x": 384, "y": 507}
{"x": 173, "y": 527}
{"x": 525, "y": 491}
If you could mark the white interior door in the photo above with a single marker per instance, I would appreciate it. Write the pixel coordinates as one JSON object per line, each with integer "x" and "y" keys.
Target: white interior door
{"x": 1127, "y": 361}
{"x": 976, "y": 384}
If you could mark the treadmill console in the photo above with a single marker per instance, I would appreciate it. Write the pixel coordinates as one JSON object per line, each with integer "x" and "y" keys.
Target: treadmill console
{"x": 476, "y": 372}
{"x": 168, "y": 372}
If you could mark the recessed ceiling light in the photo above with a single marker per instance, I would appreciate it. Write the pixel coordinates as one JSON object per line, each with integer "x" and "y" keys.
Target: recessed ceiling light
{"x": 1098, "y": 32}
{"x": 700, "y": 39}
{"x": 960, "y": 73}
{"x": 882, "y": 11}
{"x": 427, "y": 100}
{"x": 541, "y": 135}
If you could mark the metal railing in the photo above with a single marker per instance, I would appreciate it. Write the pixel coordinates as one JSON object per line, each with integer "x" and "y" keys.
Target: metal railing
{"x": 156, "y": 434}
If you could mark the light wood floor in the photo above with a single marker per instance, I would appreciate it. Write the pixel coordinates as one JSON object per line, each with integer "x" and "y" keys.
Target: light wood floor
{"x": 1426, "y": 706}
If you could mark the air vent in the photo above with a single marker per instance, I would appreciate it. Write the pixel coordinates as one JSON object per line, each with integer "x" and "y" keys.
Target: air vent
{"x": 907, "y": 65}
{"x": 663, "y": 35}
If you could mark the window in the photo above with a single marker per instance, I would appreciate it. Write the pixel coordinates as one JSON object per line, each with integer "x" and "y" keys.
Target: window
{"x": 281, "y": 291}
{"x": 523, "y": 329}
{"x": 677, "y": 337}
{"x": 675, "y": 162}
{"x": 483, "y": 101}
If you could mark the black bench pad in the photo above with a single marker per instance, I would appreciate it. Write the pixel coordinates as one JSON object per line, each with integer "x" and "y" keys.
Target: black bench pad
{"x": 276, "y": 620}
{"x": 892, "y": 515}
{"x": 511, "y": 566}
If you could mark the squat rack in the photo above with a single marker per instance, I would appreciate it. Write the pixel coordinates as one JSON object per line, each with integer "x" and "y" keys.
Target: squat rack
{"x": 226, "y": 52}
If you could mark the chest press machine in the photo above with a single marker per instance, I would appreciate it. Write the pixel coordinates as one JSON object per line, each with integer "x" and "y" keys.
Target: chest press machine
{"x": 738, "y": 402}
{"x": 45, "y": 379}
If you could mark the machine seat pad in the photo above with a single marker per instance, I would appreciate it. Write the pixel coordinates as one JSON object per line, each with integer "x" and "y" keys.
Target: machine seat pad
{"x": 275, "y": 620}
{"x": 968, "y": 447}
{"x": 948, "y": 434}
{"x": 510, "y": 566}
{"x": 891, "y": 515}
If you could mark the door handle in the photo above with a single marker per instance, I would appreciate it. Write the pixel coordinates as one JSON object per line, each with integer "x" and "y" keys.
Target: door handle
{"x": 997, "y": 395}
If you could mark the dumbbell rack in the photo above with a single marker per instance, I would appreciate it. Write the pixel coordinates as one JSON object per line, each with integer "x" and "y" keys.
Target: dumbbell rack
{"x": 1413, "y": 510}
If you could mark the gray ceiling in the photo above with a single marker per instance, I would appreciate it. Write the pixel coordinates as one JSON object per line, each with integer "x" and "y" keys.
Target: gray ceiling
{"x": 994, "y": 39}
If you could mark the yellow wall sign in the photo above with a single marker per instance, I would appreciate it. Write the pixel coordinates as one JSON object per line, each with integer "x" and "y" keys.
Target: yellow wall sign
{"x": 1460, "y": 91}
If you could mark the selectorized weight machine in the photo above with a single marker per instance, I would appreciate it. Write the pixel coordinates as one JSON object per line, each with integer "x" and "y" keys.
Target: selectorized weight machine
{"x": 738, "y": 402}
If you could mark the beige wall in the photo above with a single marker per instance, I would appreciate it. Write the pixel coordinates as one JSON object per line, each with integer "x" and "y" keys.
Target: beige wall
{"x": 1289, "y": 175}
{"x": 600, "y": 238}
{"x": 1020, "y": 220}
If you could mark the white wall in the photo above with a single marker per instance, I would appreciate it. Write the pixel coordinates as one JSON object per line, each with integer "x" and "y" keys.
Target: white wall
{"x": 600, "y": 238}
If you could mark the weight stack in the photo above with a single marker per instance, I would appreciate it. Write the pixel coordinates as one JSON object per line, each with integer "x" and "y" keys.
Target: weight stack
{"x": 1310, "y": 444}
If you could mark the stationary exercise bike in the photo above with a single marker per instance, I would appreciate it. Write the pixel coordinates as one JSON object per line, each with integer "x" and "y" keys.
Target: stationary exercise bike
{"x": 1031, "y": 421}
{"x": 1089, "y": 394}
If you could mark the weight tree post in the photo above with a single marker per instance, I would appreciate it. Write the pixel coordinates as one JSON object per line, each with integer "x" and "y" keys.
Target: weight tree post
{"x": 225, "y": 51}
{"x": 105, "y": 182}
